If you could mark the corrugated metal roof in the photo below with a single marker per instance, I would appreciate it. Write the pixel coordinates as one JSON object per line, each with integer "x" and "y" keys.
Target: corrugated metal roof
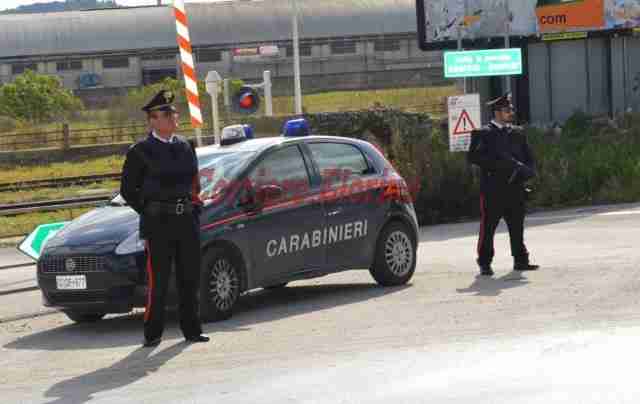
{"x": 232, "y": 22}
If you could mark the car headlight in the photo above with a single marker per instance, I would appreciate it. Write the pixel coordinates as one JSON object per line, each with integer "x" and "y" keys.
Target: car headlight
{"x": 131, "y": 244}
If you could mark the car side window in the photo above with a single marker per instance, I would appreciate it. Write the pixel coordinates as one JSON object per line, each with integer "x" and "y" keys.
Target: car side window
{"x": 285, "y": 168}
{"x": 338, "y": 162}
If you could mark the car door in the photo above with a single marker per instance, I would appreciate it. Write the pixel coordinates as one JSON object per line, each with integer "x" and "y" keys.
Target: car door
{"x": 285, "y": 234}
{"x": 352, "y": 199}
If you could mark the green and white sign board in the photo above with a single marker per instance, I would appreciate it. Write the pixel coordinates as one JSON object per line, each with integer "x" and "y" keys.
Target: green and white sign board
{"x": 32, "y": 245}
{"x": 479, "y": 63}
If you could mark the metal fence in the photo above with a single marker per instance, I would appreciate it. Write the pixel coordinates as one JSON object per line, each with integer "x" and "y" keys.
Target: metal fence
{"x": 66, "y": 137}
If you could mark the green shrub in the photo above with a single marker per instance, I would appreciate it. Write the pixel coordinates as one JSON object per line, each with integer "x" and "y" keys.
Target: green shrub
{"x": 580, "y": 166}
{"x": 7, "y": 124}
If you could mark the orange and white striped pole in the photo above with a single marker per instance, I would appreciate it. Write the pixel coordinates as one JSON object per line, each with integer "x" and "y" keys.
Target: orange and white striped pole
{"x": 188, "y": 67}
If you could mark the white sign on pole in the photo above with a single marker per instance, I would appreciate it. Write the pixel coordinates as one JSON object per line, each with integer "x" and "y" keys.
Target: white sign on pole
{"x": 464, "y": 117}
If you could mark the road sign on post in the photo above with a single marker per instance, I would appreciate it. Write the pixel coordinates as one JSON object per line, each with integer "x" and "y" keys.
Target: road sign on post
{"x": 33, "y": 244}
{"x": 464, "y": 117}
{"x": 212, "y": 80}
{"x": 488, "y": 62}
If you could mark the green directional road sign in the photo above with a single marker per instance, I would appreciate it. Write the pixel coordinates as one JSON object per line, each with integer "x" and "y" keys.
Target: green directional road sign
{"x": 32, "y": 245}
{"x": 479, "y": 63}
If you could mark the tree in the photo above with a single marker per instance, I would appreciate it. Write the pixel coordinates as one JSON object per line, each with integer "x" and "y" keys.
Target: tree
{"x": 37, "y": 98}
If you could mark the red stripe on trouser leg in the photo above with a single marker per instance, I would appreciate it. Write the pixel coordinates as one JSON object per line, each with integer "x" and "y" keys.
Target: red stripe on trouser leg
{"x": 195, "y": 190}
{"x": 483, "y": 220}
{"x": 147, "y": 308}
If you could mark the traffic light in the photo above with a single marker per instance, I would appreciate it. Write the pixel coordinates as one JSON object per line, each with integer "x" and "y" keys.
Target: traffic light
{"x": 246, "y": 101}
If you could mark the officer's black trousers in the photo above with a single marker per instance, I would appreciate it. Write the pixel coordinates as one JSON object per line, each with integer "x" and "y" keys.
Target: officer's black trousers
{"x": 510, "y": 205}
{"x": 174, "y": 238}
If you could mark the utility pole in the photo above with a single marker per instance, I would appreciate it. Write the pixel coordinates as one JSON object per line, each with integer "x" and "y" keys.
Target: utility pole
{"x": 296, "y": 58}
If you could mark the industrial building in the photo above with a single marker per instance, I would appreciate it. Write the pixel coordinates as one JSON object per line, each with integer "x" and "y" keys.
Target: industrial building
{"x": 343, "y": 45}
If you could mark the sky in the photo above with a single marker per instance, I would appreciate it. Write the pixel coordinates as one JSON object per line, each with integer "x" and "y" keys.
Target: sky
{"x": 5, "y": 4}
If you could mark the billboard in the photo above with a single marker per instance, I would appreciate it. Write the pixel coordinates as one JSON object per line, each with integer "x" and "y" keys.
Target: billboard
{"x": 442, "y": 22}
{"x": 564, "y": 15}
{"x": 622, "y": 14}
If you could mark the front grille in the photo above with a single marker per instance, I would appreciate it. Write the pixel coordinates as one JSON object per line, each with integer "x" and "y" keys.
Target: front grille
{"x": 79, "y": 297}
{"x": 71, "y": 264}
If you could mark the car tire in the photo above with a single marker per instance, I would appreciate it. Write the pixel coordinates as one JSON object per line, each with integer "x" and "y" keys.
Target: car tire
{"x": 395, "y": 256}
{"x": 219, "y": 285}
{"x": 84, "y": 317}
{"x": 277, "y": 286}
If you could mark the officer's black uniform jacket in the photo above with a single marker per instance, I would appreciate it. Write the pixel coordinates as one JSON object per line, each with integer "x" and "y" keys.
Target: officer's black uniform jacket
{"x": 496, "y": 151}
{"x": 158, "y": 171}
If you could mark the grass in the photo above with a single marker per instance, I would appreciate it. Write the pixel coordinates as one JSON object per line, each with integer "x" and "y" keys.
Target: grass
{"x": 44, "y": 194}
{"x": 25, "y": 223}
{"x": 420, "y": 99}
{"x": 102, "y": 165}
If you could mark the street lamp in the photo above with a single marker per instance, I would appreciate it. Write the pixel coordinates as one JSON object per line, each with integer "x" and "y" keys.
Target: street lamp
{"x": 296, "y": 58}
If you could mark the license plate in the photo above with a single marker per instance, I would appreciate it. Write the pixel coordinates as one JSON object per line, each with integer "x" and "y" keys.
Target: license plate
{"x": 71, "y": 282}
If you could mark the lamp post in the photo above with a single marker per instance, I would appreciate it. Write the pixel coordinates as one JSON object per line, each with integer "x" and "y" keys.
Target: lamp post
{"x": 296, "y": 58}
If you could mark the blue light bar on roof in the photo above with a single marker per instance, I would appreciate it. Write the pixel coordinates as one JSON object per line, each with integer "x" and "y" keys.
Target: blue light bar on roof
{"x": 295, "y": 128}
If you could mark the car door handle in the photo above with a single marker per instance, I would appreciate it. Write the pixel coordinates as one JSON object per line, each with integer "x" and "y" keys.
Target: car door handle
{"x": 334, "y": 212}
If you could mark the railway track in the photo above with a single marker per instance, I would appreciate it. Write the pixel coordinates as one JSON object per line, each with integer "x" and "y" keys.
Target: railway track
{"x": 43, "y": 206}
{"x": 57, "y": 182}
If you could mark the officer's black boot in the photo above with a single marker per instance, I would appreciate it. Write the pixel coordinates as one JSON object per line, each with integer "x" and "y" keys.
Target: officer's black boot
{"x": 485, "y": 269}
{"x": 524, "y": 266}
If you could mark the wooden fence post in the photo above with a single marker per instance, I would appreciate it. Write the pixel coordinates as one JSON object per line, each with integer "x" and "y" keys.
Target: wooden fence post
{"x": 66, "y": 145}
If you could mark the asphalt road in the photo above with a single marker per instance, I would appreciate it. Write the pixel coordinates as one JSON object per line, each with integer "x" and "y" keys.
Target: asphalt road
{"x": 565, "y": 334}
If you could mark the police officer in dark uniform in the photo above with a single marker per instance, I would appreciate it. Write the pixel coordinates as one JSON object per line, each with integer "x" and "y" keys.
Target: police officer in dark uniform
{"x": 506, "y": 164}
{"x": 160, "y": 181}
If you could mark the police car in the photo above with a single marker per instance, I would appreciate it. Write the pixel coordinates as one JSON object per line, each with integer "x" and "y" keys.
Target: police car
{"x": 276, "y": 210}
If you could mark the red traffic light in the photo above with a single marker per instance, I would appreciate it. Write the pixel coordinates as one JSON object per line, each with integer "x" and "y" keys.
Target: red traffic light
{"x": 246, "y": 101}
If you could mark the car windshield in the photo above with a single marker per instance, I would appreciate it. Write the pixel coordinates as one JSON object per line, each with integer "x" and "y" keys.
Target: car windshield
{"x": 216, "y": 170}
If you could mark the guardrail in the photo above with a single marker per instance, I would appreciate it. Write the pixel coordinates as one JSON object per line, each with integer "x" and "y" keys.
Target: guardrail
{"x": 57, "y": 182}
{"x": 43, "y": 206}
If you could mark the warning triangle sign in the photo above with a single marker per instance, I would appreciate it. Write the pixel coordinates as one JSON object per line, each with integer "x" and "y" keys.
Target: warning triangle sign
{"x": 464, "y": 125}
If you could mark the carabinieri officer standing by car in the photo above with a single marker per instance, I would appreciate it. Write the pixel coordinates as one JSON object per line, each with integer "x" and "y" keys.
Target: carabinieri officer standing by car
{"x": 506, "y": 163}
{"x": 160, "y": 181}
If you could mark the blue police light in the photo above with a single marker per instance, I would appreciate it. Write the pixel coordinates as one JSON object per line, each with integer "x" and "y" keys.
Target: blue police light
{"x": 235, "y": 133}
{"x": 295, "y": 128}
{"x": 248, "y": 131}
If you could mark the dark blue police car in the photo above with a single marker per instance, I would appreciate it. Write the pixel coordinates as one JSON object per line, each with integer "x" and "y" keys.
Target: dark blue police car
{"x": 276, "y": 210}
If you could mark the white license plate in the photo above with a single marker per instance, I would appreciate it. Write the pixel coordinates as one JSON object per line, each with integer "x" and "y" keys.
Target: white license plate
{"x": 71, "y": 282}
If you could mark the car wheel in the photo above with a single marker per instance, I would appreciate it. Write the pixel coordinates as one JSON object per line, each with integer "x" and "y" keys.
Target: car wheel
{"x": 277, "y": 286}
{"x": 219, "y": 286}
{"x": 84, "y": 317}
{"x": 395, "y": 256}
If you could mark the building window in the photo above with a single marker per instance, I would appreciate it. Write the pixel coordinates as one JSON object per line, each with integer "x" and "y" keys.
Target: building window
{"x": 69, "y": 65}
{"x": 120, "y": 62}
{"x": 209, "y": 55}
{"x": 159, "y": 57}
{"x": 386, "y": 45}
{"x": 343, "y": 47}
{"x": 305, "y": 50}
{"x": 20, "y": 68}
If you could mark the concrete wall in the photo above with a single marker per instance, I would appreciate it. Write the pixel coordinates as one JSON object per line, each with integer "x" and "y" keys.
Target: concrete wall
{"x": 593, "y": 75}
